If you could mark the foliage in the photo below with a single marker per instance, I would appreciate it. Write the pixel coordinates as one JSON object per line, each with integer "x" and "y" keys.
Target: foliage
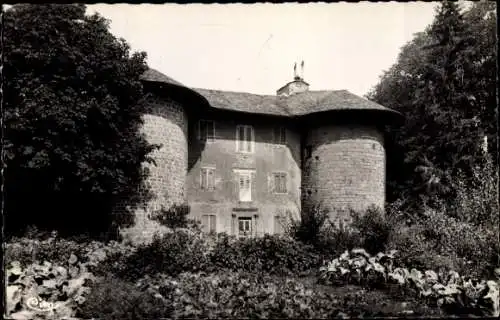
{"x": 440, "y": 241}
{"x": 46, "y": 291}
{"x": 174, "y": 217}
{"x": 269, "y": 254}
{"x": 447, "y": 289}
{"x": 252, "y": 295}
{"x": 172, "y": 253}
{"x": 308, "y": 229}
{"x": 477, "y": 199}
{"x": 374, "y": 229}
{"x": 114, "y": 298}
{"x": 73, "y": 107}
{"x": 444, "y": 83}
{"x": 58, "y": 250}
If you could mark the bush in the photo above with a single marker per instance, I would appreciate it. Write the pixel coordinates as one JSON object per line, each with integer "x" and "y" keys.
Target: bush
{"x": 172, "y": 253}
{"x": 174, "y": 217}
{"x": 374, "y": 229}
{"x": 254, "y": 295}
{"x": 269, "y": 254}
{"x": 59, "y": 250}
{"x": 335, "y": 239}
{"x": 113, "y": 298}
{"x": 310, "y": 226}
{"x": 476, "y": 199}
{"x": 440, "y": 241}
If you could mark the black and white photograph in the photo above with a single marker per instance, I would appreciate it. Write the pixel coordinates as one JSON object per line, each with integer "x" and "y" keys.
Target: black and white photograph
{"x": 262, "y": 160}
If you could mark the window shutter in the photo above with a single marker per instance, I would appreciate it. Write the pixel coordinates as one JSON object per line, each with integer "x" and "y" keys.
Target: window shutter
{"x": 250, "y": 139}
{"x": 270, "y": 182}
{"x": 203, "y": 178}
{"x": 204, "y": 222}
{"x": 211, "y": 179}
{"x": 212, "y": 223}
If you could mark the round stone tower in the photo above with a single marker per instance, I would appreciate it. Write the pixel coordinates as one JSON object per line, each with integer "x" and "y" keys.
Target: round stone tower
{"x": 343, "y": 168}
{"x": 165, "y": 123}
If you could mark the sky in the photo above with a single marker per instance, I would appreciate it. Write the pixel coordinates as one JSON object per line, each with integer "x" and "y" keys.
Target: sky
{"x": 253, "y": 47}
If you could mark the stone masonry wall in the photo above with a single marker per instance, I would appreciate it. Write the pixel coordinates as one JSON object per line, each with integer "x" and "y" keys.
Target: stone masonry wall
{"x": 165, "y": 123}
{"x": 345, "y": 169}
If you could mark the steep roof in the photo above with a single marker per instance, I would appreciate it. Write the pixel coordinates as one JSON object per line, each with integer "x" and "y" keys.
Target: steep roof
{"x": 308, "y": 102}
{"x": 152, "y": 75}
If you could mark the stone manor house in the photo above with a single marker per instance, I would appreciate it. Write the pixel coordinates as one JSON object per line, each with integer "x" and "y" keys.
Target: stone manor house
{"x": 245, "y": 163}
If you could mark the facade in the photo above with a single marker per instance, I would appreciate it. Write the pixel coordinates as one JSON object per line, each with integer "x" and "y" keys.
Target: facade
{"x": 246, "y": 163}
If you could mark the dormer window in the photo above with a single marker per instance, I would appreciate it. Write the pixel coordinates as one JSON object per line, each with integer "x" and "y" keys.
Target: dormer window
{"x": 280, "y": 135}
{"x": 244, "y": 139}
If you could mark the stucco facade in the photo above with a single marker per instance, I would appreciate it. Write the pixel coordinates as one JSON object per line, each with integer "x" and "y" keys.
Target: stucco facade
{"x": 246, "y": 164}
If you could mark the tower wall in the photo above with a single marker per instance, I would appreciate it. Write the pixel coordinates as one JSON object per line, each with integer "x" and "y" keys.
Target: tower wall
{"x": 166, "y": 124}
{"x": 344, "y": 167}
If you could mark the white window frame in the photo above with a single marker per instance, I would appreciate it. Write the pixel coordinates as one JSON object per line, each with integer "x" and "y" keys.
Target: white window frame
{"x": 249, "y": 221}
{"x": 246, "y": 175}
{"x": 205, "y": 171}
{"x": 248, "y": 141}
{"x": 284, "y": 175}
{"x": 206, "y": 138}
{"x": 210, "y": 218}
{"x": 280, "y": 137}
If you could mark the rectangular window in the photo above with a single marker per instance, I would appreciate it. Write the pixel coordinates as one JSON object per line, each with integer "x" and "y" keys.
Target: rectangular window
{"x": 244, "y": 139}
{"x": 279, "y": 182}
{"x": 206, "y": 130}
{"x": 208, "y": 223}
{"x": 207, "y": 179}
{"x": 245, "y": 186}
{"x": 244, "y": 227}
{"x": 280, "y": 135}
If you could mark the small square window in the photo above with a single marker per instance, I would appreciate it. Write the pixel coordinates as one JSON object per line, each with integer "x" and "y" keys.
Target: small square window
{"x": 280, "y": 182}
{"x": 207, "y": 179}
{"x": 206, "y": 130}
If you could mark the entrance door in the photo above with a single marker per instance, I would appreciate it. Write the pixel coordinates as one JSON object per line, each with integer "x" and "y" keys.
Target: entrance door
{"x": 244, "y": 227}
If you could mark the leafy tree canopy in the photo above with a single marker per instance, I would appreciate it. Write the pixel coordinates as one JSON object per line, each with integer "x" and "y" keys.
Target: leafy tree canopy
{"x": 444, "y": 83}
{"x": 73, "y": 103}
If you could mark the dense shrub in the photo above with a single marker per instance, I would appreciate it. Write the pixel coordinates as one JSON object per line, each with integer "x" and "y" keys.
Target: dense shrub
{"x": 309, "y": 228}
{"x": 113, "y": 298}
{"x": 58, "y": 250}
{"x": 335, "y": 239}
{"x": 476, "y": 200}
{"x": 171, "y": 253}
{"x": 268, "y": 254}
{"x": 374, "y": 228}
{"x": 254, "y": 295}
{"x": 457, "y": 294}
{"x": 440, "y": 241}
{"x": 174, "y": 217}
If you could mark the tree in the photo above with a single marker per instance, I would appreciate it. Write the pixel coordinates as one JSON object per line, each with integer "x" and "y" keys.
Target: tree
{"x": 441, "y": 85}
{"x": 73, "y": 106}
